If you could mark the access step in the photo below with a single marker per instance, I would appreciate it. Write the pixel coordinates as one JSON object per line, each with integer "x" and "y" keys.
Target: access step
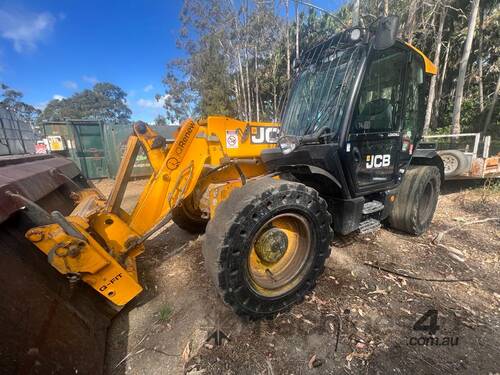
{"x": 368, "y": 226}
{"x": 372, "y": 206}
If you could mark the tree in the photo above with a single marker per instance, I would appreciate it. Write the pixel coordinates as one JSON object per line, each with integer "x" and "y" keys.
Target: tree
{"x": 105, "y": 102}
{"x": 455, "y": 122}
{"x": 355, "y": 13}
{"x": 238, "y": 55}
{"x": 489, "y": 116}
{"x": 432, "y": 87}
{"x": 160, "y": 121}
{"x": 11, "y": 101}
{"x": 111, "y": 101}
{"x": 235, "y": 64}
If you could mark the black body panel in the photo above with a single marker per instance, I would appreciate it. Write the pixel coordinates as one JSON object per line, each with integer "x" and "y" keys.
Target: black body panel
{"x": 428, "y": 157}
{"x": 364, "y": 160}
{"x": 316, "y": 165}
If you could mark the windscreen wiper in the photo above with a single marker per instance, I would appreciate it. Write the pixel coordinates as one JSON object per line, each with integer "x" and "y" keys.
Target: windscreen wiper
{"x": 316, "y": 136}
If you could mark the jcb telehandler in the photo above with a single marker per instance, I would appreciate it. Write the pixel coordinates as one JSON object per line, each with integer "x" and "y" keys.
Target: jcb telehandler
{"x": 346, "y": 160}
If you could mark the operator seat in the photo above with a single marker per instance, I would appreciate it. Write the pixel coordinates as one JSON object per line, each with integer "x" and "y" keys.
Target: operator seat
{"x": 376, "y": 116}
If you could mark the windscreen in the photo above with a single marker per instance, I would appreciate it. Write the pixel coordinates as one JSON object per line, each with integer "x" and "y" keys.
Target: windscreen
{"x": 318, "y": 95}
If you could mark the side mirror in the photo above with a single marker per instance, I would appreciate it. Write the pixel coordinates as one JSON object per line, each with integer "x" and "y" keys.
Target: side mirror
{"x": 386, "y": 31}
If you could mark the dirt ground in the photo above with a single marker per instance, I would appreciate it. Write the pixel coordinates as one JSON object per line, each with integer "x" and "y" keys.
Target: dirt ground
{"x": 359, "y": 319}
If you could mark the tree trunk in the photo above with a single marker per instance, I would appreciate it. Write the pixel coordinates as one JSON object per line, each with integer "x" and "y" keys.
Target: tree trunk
{"x": 432, "y": 88}
{"x": 275, "y": 94}
{"x": 238, "y": 98}
{"x": 492, "y": 106}
{"x": 410, "y": 24}
{"x": 431, "y": 31}
{"x": 297, "y": 30}
{"x": 355, "y": 13}
{"x": 257, "y": 106}
{"x": 247, "y": 78}
{"x": 386, "y": 8}
{"x": 441, "y": 81}
{"x": 242, "y": 78}
{"x": 249, "y": 96}
{"x": 480, "y": 62}
{"x": 459, "y": 91}
{"x": 287, "y": 26}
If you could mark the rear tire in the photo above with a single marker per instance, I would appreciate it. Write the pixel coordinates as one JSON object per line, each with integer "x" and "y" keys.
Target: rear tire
{"x": 189, "y": 218}
{"x": 416, "y": 202}
{"x": 234, "y": 236}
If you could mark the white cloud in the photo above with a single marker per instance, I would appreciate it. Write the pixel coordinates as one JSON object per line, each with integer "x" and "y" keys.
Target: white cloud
{"x": 41, "y": 106}
{"x": 90, "y": 79}
{"x": 71, "y": 85}
{"x": 151, "y": 103}
{"x": 148, "y": 88}
{"x": 147, "y": 103}
{"x": 25, "y": 30}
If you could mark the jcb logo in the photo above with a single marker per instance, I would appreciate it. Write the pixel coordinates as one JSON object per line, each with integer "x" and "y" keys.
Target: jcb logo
{"x": 378, "y": 161}
{"x": 264, "y": 134}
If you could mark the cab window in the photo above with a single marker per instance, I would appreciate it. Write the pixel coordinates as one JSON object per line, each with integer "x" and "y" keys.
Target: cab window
{"x": 379, "y": 99}
{"x": 414, "y": 114}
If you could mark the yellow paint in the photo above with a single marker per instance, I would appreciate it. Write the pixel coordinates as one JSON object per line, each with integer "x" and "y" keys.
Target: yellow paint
{"x": 429, "y": 65}
{"x": 262, "y": 270}
{"x": 201, "y": 162}
{"x": 99, "y": 269}
{"x": 156, "y": 155}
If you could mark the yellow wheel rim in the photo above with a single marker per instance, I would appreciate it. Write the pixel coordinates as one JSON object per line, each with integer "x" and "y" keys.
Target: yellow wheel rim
{"x": 278, "y": 257}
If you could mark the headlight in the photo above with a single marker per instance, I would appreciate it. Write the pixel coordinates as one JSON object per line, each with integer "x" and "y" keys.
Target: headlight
{"x": 288, "y": 143}
{"x": 355, "y": 34}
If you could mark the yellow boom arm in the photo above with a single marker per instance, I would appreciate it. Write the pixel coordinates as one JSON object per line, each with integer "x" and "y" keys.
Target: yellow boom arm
{"x": 98, "y": 242}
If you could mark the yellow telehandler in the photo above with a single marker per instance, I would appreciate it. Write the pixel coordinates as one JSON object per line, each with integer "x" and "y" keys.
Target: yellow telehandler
{"x": 265, "y": 194}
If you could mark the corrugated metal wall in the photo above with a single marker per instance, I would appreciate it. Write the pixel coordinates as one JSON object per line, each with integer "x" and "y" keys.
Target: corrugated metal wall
{"x": 16, "y": 136}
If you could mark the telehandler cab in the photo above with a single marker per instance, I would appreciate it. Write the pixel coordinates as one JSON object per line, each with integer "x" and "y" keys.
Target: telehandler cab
{"x": 346, "y": 161}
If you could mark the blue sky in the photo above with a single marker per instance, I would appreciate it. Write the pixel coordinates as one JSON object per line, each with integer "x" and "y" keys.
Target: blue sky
{"x": 53, "y": 49}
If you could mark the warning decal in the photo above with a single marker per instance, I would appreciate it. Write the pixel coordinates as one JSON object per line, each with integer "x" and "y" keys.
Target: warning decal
{"x": 231, "y": 139}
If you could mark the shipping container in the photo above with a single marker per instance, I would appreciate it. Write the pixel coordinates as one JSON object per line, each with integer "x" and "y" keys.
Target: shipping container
{"x": 115, "y": 140}
{"x": 97, "y": 148}
{"x": 81, "y": 141}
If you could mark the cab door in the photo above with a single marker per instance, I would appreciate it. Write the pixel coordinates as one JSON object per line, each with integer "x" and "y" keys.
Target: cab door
{"x": 373, "y": 144}
{"x": 413, "y": 112}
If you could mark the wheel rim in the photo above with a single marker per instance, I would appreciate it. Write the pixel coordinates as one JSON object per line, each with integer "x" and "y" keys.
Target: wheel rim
{"x": 425, "y": 205}
{"x": 279, "y": 253}
{"x": 450, "y": 163}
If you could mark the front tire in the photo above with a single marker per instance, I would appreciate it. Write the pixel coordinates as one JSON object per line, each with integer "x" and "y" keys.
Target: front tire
{"x": 267, "y": 245}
